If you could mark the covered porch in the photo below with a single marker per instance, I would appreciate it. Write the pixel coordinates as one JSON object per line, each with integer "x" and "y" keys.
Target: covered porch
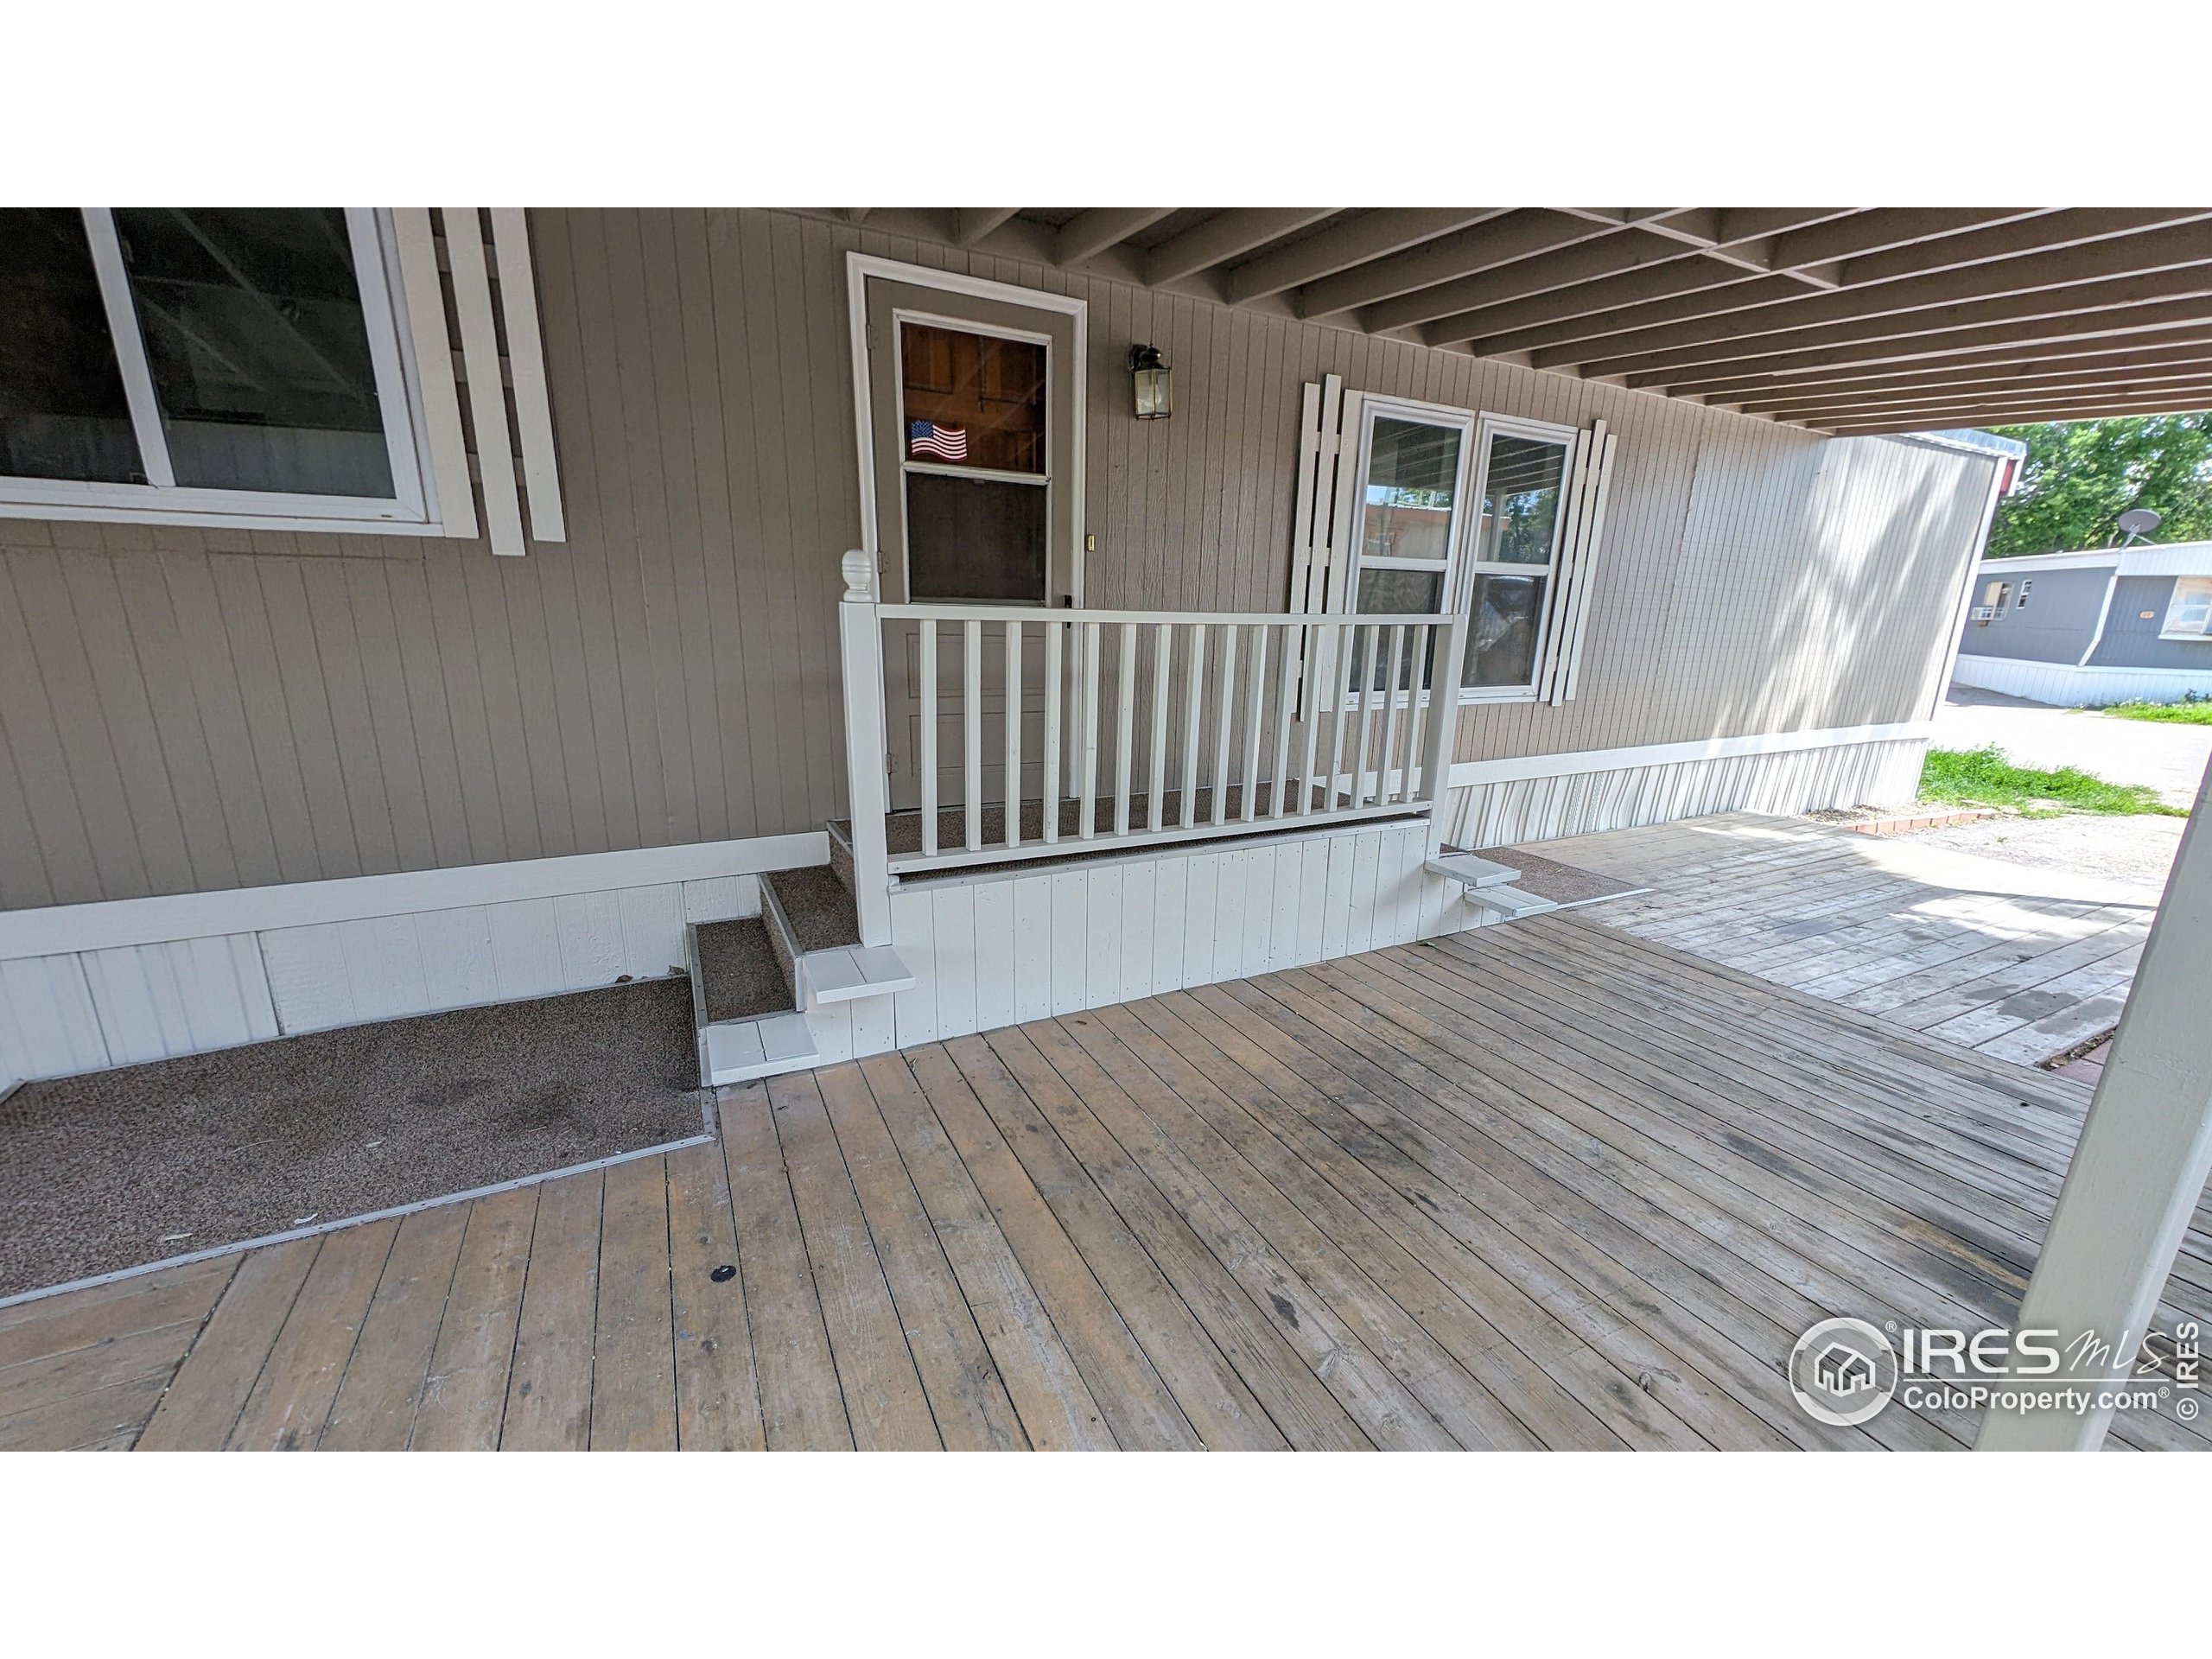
{"x": 1547, "y": 1185}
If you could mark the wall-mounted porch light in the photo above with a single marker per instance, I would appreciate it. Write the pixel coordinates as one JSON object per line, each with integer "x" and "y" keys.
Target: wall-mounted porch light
{"x": 1148, "y": 369}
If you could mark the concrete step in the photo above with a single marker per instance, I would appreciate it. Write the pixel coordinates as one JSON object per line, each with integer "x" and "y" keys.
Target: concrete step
{"x": 1475, "y": 872}
{"x": 739, "y": 1051}
{"x": 852, "y": 971}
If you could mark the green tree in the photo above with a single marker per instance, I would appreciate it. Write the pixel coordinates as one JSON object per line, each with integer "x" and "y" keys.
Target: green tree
{"x": 2080, "y": 475}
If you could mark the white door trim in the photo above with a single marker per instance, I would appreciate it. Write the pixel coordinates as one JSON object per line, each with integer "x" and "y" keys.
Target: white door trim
{"x": 859, "y": 267}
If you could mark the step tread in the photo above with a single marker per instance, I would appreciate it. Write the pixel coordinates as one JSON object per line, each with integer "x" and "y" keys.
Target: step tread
{"x": 1510, "y": 902}
{"x": 736, "y": 1050}
{"x": 818, "y": 907}
{"x": 1475, "y": 872}
{"x": 739, "y": 978}
{"x": 856, "y": 970}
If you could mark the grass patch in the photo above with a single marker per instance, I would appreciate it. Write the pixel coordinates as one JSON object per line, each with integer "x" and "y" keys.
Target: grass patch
{"x": 1984, "y": 776}
{"x": 2193, "y": 712}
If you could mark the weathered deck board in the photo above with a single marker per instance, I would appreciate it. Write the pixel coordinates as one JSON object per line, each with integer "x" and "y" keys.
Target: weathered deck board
{"x": 1552, "y": 1184}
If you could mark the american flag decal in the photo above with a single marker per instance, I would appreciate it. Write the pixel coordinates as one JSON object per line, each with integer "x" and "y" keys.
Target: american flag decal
{"x": 928, "y": 438}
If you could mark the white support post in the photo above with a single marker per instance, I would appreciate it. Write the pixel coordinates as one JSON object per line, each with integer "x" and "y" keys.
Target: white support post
{"x": 862, "y": 636}
{"x": 1443, "y": 733}
{"x": 2138, "y": 1171}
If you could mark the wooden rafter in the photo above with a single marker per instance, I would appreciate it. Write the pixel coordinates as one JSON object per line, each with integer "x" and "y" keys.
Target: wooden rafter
{"x": 1841, "y": 319}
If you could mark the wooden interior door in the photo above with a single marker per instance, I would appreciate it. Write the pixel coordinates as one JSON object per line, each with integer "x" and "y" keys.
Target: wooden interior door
{"x": 973, "y": 422}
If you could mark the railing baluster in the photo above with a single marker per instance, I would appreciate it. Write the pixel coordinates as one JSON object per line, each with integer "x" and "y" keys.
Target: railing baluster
{"x": 1089, "y": 827}
{"x": 1416, "y": 710}
{"x": 1013, "y": 791}
{"x": 1049, "y": 786}
{"x": 1382, "y": 789}
{"x": 1221, "y": 761}
{"x": 1125, "y": 711}
{"x": 1194, "y": 684}
{"x": 1163, "y": 652}
{"x": 1286, "y": 706}
{"x": 1257, "y": 715}
{"x": 1367, "y": 666}
{"x": 1341, "y": 657}
{"x": 927, "y": 670}
{"x": 971, "y": 728}
{"x": 1321, "y": 636}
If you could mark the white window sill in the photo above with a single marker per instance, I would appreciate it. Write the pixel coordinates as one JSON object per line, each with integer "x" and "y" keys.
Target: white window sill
{"x": 1517, "y": 694}
{"x": 150, "y": 515}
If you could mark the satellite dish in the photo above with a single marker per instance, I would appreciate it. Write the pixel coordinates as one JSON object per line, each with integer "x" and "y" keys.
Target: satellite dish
{"x": 2137, "y": 522}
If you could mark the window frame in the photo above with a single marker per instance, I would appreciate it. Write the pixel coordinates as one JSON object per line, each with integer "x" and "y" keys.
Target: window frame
{"x": 2197, "y": 584}
{"x": 1466, "y": 421}
{"x": 908, "y": 467}
{"x": 1488, "y": 427}
{"x": 412, "y": 509}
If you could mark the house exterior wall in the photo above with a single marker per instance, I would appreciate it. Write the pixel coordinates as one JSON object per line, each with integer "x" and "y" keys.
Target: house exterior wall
{"x": 192, "y": 710}
{"x": 2131, "y": 638}
{"x": 2056, "y": 626}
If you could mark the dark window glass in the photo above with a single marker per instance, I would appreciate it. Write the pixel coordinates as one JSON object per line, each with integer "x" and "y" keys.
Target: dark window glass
{"x": 62, "y": 410}
{"x": 1502, "y": 639}
{"x": 970, "y": 539}
{"x": 1395, "y": 593}
{"x": 973, "y": 400}
{"x": 260, "y": 357}
{"x": 1521, "y": 497}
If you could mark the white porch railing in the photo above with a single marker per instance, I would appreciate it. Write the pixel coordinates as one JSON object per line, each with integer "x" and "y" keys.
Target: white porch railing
{"x": 1129, "y": 729}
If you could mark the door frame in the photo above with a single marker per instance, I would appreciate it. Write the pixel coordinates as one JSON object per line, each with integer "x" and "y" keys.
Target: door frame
{"x": 859, "y": 267}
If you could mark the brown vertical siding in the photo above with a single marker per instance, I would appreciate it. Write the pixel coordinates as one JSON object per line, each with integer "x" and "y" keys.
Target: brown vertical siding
{"x": 187, "y": 709}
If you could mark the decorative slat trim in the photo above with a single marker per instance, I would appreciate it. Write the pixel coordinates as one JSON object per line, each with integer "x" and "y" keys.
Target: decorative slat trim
{"x": 541, "y": 472}
{"x": 1595, "y": 545}
{"x": 488, "y": 396}
{"x": 426, "y": 327}
{"x": 1326, "y": 516}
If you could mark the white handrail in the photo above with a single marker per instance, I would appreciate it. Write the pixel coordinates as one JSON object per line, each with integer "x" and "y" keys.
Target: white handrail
{"x": 1238, "y": 671}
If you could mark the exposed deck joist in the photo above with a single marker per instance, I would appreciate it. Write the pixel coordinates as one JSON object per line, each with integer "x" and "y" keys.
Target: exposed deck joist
{"x": 1733, "y": 306}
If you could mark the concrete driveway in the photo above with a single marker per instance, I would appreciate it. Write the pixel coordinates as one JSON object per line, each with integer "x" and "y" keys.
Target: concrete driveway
{"x": 2170, "y": 758}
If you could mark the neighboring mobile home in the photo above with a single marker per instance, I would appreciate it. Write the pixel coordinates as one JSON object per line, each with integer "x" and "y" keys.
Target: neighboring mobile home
{"x": 2086, "y": 630}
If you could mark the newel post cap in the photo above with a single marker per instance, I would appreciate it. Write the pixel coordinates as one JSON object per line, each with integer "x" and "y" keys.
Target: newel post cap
{"x": 860, "y": 576}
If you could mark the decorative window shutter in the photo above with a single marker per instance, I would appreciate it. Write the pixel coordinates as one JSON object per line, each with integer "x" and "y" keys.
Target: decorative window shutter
{"x": 1327, "y": 515}
{"x": 1589, "y": 484}
{"x": 486, "y": 373}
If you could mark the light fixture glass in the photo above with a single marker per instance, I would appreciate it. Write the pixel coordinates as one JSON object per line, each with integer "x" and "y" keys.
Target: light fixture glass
{"x": 1149, "y": 370}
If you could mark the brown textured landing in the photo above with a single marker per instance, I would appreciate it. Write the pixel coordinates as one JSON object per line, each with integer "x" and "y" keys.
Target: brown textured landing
{"x": 818, "y": 905}
{"x": 1563, "y": 884}
{"x": 146, "y": 1162}
{"x": 738, "y": 971}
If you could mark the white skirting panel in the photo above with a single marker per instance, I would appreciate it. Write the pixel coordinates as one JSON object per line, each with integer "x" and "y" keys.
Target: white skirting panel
{"x": 2071, "y": 687}
{"x": 1583, "y": 802}
{"x": 993, "y": 951}
{"x": 81, "y": 1011}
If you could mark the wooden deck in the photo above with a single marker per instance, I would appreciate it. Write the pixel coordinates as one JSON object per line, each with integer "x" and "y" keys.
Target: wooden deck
{"x": 2017, "y": 962}
{"x": 1546, "y": 1184}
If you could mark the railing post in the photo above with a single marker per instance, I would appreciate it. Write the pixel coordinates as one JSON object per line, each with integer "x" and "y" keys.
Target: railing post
{"x": 861, "y": 632}
{"x": 1443, "y": 732}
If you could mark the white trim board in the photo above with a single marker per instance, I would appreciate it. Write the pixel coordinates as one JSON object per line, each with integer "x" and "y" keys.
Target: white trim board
{"x": 1470, "y": 774}
{"x": 64, "y": 928}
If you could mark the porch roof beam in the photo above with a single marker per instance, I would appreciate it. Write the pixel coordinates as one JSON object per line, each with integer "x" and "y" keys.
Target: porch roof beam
{"x": 2180, "y": 240}
{"x": 2057, "y": 382}
{"x": 2125, "y": 352}
{"x": 1371, "y": 236}
{"x": 1482, "y": 247}
{"x": 2180, "y": 397}
{"x": 1671, "y": 293}
{"x": 1092, "y": 232}
{"x": 2022, "y": 414}
{"x": 1228, "y": 235}
{"x": 971, "y": 225}
{"x": 2089, "y": 309}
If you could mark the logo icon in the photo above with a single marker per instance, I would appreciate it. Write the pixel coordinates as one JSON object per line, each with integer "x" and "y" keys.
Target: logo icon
{"x": 1843, "y": 1372}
